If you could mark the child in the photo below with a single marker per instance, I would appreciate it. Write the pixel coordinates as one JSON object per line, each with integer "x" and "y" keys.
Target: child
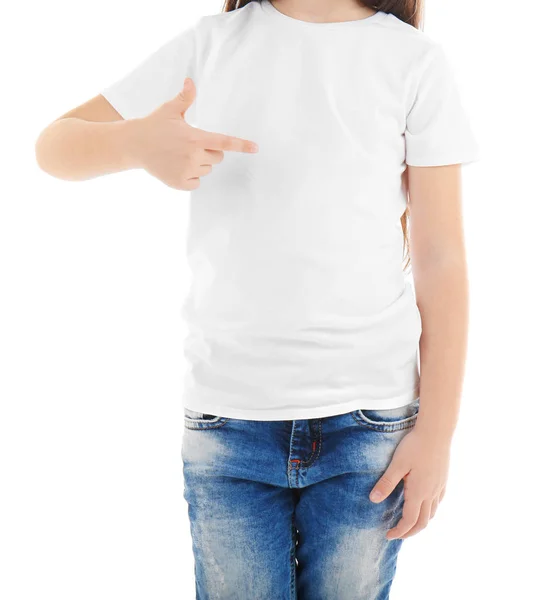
{"x": 304, "y": 129}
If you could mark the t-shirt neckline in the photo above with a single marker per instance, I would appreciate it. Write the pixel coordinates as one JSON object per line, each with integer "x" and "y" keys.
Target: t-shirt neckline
{"x": 271, "y": 10}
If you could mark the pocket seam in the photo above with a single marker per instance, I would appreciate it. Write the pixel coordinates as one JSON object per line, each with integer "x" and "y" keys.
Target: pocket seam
{"x": 384, "y": 426}
{"x": 190, "y": 423}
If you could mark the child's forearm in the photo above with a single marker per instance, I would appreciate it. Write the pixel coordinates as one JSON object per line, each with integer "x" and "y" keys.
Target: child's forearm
{"x": 442, "y": 297}
{"x": 75, "y": 149}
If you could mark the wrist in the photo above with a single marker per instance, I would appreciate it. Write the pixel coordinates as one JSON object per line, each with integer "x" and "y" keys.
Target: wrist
{"x": 433, "y": 432}
{"x": 129, "y": 136}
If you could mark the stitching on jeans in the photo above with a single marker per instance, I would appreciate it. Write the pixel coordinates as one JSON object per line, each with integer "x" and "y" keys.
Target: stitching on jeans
{"x": 360, "y": 415}
{"x": 385, "y": 427}
{"x": 315, "y": 455}
{"x": 290, "y": 468}
{"x": 205, "y": 425}
{"x": 293, "y": 560}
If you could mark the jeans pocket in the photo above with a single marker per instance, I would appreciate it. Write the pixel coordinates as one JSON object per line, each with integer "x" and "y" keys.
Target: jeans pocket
{"x": 199, "y": 420}
{"x": 387, "y": 419}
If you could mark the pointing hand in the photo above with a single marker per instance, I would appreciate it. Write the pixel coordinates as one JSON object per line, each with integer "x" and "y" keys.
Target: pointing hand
{"x": 176, "y": 153}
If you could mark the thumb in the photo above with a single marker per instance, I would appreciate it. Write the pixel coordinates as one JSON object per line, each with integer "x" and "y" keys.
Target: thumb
{"x": 183, "y": 100}
{"x": 387, "y": 483}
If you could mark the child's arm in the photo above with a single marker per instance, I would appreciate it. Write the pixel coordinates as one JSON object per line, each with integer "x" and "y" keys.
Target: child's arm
{"x": 421, "y": 458}
{"x": 90, "y": 140}
{"x": 93, "y": 139}
{"x": 441, "y": 283}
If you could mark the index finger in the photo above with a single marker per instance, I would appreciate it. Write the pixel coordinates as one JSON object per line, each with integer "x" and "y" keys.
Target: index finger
{"x": 227, "y": 143}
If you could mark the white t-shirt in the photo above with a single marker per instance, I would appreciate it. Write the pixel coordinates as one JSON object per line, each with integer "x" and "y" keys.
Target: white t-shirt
{"x": 299, "y": 306}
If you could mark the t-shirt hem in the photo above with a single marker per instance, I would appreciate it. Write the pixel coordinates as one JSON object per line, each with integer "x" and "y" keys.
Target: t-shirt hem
{"x": 312, "y": 412}
{"x": 440, "y": 161}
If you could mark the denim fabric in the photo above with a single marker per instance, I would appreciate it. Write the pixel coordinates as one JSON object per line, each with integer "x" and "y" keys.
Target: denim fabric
{"x": 280, "y": 510}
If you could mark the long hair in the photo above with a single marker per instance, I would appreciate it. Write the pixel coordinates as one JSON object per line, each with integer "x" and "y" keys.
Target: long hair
{"x": 409, "y": 11}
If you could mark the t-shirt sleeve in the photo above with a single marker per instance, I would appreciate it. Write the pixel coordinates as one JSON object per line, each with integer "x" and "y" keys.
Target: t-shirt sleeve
{"x": 438, "y": 131}
{"x": 156, "y": 79}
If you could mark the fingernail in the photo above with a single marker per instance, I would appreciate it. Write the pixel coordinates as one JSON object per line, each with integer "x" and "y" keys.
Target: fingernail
{"x": 187, "y": 83}
{"x": 376, "y": 496}
{"x": 254, "y": 147}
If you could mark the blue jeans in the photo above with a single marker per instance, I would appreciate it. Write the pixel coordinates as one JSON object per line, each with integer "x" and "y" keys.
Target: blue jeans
{"x": 280, "y": 510}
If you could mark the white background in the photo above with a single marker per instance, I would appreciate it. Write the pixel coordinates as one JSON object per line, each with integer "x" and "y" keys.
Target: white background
{"x": 93, "y": 276}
